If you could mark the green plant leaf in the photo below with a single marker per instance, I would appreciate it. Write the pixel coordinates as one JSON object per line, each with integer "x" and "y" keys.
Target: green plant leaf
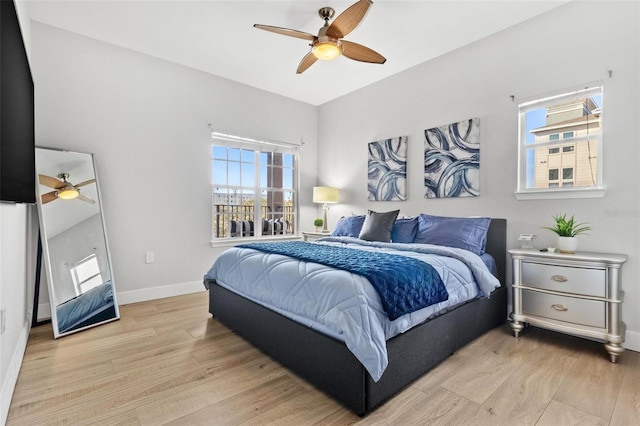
{"x": 567, "y": 227}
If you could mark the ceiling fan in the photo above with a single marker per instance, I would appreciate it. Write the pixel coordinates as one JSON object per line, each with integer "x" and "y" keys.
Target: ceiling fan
{"x": 63, "y": 189}
{"x": 328, "y": 44}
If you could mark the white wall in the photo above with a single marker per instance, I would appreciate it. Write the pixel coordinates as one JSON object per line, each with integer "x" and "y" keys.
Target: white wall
{"x": 146, "y": 120}
{"x": 574, "y": 44}
{"x": 18, "y": 231}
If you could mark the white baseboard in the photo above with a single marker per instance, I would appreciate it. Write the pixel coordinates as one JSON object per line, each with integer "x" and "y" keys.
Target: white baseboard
{"x": 142, "y": 295}
{"x": 632, "y": 338}
{"x": 11, "y": 379}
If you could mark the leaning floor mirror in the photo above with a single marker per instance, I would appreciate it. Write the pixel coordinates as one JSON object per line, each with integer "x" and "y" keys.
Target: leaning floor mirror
{"x": 74, "y": 242}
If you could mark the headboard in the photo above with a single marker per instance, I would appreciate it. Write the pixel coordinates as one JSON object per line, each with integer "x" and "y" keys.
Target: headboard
{"x": 497, "y": 246}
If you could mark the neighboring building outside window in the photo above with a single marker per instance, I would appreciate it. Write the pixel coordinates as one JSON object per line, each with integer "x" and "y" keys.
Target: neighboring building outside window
{"x": 254, "y": 188}
{"x": 561, "y": 132}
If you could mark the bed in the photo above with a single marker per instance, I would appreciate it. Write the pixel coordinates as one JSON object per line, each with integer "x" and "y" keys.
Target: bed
{"x": 93, "y": 306}
{"x": 323, "y": 358}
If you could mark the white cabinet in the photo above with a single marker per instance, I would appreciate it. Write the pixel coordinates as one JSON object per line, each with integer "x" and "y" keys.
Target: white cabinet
{"x": 578, "y": 294}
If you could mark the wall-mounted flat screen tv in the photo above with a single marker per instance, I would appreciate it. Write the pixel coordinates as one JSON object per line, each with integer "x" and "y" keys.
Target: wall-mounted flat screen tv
{"x": 17, "y": 134}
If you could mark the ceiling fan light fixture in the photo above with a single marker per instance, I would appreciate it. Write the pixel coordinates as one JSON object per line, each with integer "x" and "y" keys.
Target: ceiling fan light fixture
{"x": 68, "y": 193}
{"x": 327, "y": 50}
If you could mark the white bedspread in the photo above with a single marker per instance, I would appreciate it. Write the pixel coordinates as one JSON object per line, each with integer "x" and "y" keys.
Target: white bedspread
{"x": 344, "y": 305}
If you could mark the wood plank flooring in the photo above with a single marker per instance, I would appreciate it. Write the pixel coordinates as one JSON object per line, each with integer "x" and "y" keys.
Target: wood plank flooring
{"x": 168, "y": 362}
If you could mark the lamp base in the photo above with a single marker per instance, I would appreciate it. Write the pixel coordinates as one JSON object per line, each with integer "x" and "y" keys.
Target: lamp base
{"x": 325, "y": 229}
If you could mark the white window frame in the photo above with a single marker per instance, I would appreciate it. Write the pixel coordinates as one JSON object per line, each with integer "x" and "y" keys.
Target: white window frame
{"x": 257, "y": 145}
{"x": 522, "y": 192}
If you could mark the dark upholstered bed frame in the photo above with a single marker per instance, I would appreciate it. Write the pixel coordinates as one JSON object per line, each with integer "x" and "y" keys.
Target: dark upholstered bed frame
{"x": 331, "y": 367}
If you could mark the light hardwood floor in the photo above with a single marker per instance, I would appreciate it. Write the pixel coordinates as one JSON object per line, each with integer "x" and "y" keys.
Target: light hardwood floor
{"x": 169, "y": 362}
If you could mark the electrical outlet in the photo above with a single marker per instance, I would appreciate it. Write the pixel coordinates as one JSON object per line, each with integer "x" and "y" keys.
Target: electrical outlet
{"x": 3, "y": 320}
{"x": 149, "y": 257}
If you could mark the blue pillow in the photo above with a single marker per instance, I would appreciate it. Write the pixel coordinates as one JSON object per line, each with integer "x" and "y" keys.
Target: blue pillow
{"x": 348, "y": 226}
{"x": 404, "y": 230}
{"x": 469, "y": 233}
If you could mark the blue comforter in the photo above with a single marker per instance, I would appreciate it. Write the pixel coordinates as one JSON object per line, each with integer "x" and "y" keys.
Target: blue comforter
{"x": 75, "y": 311}
{"x": 404, "y": 284}
{"x": 344, "y": 305}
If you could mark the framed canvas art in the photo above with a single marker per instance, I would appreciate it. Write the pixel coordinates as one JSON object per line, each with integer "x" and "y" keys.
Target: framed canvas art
{"x": 387, "y": 170}
{"x": 452, "y": 160}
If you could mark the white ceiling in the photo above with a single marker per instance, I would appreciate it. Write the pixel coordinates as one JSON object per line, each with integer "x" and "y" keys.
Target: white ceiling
{"x": 218, "y": 36}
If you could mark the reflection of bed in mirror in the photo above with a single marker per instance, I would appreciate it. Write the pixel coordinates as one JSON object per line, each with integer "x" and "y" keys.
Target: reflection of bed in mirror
{"x": 96, "y": 305}
{"x": 74, "y": 243}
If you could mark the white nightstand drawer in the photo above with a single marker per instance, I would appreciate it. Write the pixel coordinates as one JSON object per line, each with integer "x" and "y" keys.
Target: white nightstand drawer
{"x": 591, "y": 313}
{"x": 588, "y": 282}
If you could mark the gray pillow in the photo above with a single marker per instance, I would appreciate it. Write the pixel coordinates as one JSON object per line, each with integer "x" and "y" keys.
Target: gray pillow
{"x": 378, "y": 226}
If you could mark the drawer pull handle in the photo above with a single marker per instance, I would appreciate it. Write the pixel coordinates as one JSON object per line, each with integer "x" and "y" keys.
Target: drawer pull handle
{"x": 560, "y": 278}
{"x": 559, "y": 307}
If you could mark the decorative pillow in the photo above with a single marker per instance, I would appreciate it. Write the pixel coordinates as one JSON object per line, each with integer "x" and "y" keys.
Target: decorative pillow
{"x": 469, "y": 233}
{"x": 348, "y": 226}
{"x": 378, "y": 226}
{"x": 404, "y": 230}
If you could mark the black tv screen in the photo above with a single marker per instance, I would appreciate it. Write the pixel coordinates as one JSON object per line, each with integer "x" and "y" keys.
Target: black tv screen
{"x": 17, "y": 134}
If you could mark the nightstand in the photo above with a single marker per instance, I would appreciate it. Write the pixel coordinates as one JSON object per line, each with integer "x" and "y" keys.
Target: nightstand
{"x": 578, "y": 294}
{"x": 311, "y": 236}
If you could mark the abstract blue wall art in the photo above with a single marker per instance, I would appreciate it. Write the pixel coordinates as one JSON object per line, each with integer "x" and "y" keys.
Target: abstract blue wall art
{"x": 452, "y": 160}
{"x": 387, "y": 171}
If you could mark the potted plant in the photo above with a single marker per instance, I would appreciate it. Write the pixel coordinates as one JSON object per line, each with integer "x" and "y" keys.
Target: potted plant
{"x": 318, "y": 224}
{"x": 567, "y": 230}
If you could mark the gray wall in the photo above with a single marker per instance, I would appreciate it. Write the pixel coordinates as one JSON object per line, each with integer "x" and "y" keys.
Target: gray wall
{"x": 572, "y": 45}
{"x": 146, "y": 120}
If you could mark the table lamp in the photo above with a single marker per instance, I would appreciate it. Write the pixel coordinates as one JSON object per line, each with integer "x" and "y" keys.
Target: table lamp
{"x": 325, "y": 195}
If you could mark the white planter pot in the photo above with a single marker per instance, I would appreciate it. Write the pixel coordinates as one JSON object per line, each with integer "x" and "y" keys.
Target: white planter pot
{"x": 567, "y": 244}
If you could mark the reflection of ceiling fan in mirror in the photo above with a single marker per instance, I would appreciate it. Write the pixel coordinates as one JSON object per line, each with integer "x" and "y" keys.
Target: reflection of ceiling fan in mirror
{"x": 63, "y": 189}
{"x": 328, "y": 44}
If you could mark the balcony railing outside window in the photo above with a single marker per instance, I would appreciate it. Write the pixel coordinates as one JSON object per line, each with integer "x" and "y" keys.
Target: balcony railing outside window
{"x": 238, "y": 221}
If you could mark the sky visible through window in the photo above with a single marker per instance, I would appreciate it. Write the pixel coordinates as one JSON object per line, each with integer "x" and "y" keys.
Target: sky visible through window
{"x": 241, "y": 166}
{"x": 534, "y": 119}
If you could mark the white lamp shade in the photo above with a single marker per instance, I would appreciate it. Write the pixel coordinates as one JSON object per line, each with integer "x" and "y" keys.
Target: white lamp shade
{"x": 325, "y": 194}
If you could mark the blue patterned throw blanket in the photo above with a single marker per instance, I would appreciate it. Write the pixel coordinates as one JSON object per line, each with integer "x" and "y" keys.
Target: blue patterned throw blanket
{"x": 403, "y": 283}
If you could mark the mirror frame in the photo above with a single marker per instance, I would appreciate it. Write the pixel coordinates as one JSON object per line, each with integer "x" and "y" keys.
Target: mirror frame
{"x": 46, "y": 258}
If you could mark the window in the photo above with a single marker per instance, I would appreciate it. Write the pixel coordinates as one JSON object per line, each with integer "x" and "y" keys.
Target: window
{"x": 567, "y": 173}
{"x": 560, "y": 145}
{"x": 86, "y": 274}
{"x": 254, "y": 188}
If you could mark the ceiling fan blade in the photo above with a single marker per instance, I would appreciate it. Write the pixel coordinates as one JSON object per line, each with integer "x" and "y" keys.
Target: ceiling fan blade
{"x": 361, "y": 53}
{"x": 51, "y": 182}
{"x": 348, "y": 20}
{"x": 86, "y": 182}
{"x": 86, "y": 198}
{"x": 286, "y": 31}
{"x": 306, "y": 62}
{"x": 48, "y": 197}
